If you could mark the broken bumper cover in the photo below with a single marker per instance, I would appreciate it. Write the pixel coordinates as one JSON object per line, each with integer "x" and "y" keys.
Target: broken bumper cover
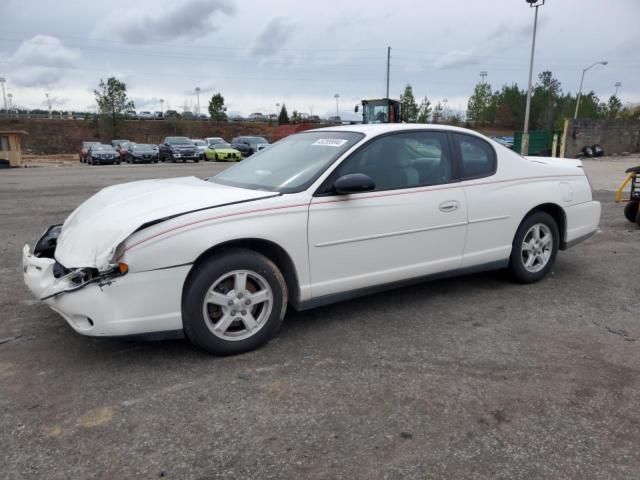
{"x": 134, "y": 304}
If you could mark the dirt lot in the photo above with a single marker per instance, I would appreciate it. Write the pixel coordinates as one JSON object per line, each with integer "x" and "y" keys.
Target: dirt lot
{"x": 473, "y": 377}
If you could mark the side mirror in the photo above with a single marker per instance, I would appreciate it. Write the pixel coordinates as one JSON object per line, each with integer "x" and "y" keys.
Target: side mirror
{"x": 353, "y": 183}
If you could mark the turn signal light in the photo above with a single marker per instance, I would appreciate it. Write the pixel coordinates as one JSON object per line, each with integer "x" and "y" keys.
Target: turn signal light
{"x": 123, "y": 268}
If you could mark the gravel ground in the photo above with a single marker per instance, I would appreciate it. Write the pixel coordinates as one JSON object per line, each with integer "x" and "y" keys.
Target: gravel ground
{"x": 473, "y": 377}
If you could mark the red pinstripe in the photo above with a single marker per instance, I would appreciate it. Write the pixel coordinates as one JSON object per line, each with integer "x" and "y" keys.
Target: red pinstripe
{"x": 379, "y": 195}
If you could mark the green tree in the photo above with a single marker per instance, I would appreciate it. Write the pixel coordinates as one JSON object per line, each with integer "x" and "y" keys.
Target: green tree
{"x": 545, "y": 101}
{"x": 424, "y": 111}
{"x": 614, "y": 106}
{"x": 111, "y": 97}
{"x": 283, "y": 118}
{"x": 408, "y": 105}
{"x": 455, "y": 119}
{"x": 295, "y": 117}
{"x": 510, "y": 102}
{"x": 437, "y": 113}
{"x": 217, "y": 110}
{"x": 479, "y": 103}
{"x": 630, "y": 113}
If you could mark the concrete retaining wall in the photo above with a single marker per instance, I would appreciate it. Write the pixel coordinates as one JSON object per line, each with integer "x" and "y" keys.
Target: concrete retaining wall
{"x": 614, "y": 135}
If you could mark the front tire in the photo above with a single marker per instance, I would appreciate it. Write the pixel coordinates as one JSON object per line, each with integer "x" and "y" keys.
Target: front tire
{"x": 631, "y": 211}
{"x": 233, "y": 302}
{"x": 535, "y": 247}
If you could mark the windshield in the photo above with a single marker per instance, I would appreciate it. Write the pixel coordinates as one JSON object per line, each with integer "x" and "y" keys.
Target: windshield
{"x": 140, "y": 146}
{"x": 290, "y": 165}
{"x": 376, "y": 112}
{"x": 179, "y": 141}
{"x": 221, "y": 145}
{"x": 255, "y": 140}
{"x": 199, "y": 142}
{"x": 102, "y": 148}
{"x": 213, "y": 140}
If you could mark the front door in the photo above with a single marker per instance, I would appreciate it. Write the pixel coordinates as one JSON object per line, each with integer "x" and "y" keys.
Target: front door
{"x": 413, "y": 224}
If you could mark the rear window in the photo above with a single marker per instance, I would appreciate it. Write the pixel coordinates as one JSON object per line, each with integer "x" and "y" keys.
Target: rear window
{"x": 477, "y": 156}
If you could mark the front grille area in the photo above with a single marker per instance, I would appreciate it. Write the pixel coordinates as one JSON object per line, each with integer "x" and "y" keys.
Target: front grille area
{"x": 59, "y": 270}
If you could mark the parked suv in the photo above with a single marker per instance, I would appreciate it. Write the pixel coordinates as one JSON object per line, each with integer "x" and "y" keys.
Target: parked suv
{"x": 178, "y": 148}
{"x": 249, "y": 145}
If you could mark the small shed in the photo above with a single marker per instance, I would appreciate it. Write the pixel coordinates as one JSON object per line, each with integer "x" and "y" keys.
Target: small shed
{"x": 10, "y": 149}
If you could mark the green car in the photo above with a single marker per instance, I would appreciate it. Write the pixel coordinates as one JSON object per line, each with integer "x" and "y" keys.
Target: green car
{"x": 222, "y": 152}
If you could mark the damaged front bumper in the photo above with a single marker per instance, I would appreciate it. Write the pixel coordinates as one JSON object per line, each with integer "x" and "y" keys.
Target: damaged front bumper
{"x": 108, "y": 304}
{"x": 39, "y": 276}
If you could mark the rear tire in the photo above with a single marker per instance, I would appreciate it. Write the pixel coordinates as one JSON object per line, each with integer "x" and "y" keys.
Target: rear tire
{"x": 534, "y": 249}
{"x": 233, "y": 302}
{"x": 631, "y": 211}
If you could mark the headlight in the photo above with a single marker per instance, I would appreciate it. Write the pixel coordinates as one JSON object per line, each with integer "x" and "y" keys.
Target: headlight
{"x": 46, "y": 246}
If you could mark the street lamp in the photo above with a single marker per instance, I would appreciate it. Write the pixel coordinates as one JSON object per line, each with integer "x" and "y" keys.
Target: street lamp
{"x": 2, "y": 80}
{"x": 198, "y": 94}
{"x": 617, "y": 85}
{"x": 48, "y": 104}
{"x": 525, "y": 133}
{"x": 602, "y": 62}
{"x": 483, "y": 74}
{"x": 337, "y": 96}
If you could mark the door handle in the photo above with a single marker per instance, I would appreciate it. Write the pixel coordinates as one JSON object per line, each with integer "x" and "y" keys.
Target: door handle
{"x": 450, "y": 206}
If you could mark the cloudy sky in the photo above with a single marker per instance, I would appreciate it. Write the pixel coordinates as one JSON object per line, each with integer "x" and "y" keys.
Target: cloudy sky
{"x": 302, "y": 52}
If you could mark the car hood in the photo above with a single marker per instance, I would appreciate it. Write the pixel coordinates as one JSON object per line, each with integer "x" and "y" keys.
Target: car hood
{"x": 93, "y": 231}
{"x": 226, "y": 150}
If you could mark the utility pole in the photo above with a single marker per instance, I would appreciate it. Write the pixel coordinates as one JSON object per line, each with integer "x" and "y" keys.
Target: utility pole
{"x": 483, "y": 74}
{"x": 617, "y": 85}
{"x": 337, "y": 96}
{"x": 388, "y": 68}
{"x": 10, "y": 96}
{"x": 48, "y": 104}
{"x": 524, "y": 150}
{"x": 162, "y": 108}
{"x": 2, "y": 80}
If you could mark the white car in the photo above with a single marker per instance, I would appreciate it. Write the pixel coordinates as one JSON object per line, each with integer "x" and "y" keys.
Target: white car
{"x": 146, "y": 115}
{"x": 201, "y": 145}
{"x": 319, "y": 216}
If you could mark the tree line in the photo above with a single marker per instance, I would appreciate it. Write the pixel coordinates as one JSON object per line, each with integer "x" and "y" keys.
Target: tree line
{"x": 505, "y": 108}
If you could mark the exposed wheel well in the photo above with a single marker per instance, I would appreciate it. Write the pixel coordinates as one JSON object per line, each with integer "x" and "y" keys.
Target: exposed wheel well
{"x": 558, "y": 214}
{"x": 273, "y": 252}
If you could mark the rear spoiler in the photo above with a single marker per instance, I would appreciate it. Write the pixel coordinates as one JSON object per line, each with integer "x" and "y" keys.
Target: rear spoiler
{"x": 567, "y": 162}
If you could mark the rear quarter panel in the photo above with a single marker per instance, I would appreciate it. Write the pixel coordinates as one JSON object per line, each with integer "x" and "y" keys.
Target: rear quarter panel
{"x": 498, "y": 204}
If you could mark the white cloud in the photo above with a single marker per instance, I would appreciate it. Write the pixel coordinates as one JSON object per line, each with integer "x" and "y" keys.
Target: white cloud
{"x": 42, "y": 60}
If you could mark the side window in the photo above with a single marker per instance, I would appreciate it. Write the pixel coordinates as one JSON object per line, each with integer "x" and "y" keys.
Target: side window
{"x": 404, "y": 160}
{"x": 477, "y": 156}
{"x": 4, "y": 144}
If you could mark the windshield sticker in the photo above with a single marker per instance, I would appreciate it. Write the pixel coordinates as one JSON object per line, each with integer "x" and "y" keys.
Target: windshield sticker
{"x": 330, "y": 142}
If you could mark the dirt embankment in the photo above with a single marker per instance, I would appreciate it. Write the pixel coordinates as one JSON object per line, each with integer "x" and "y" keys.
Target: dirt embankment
{"x": 65, "y": 136}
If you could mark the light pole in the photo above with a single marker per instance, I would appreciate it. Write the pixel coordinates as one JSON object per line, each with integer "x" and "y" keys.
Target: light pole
{"x": 337, "y": 96}
{"x": 525, "y": 132}
{"x": 10, "y": 96}
{"x": 2, "y": 80}
{"x": 602, "y": 62}
{"x": 483, "y": 74}
{"x": 162, "y": 108}
{"x": 48, "y": 104}
{"x": 198, "y": 95}
{"x": 444, "y": 110}
{"x": 617, "y": 85}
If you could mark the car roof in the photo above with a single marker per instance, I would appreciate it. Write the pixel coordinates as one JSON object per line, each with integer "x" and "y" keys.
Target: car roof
{"x": 374, "y": 129}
